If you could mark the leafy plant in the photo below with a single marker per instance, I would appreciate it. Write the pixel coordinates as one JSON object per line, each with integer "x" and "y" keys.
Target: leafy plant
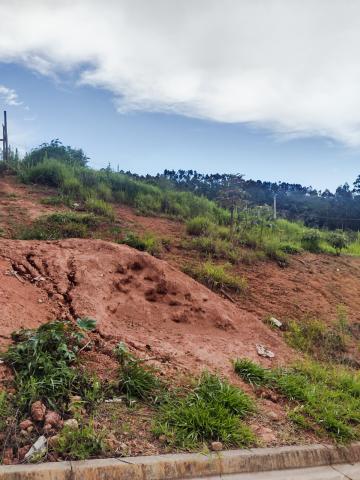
{"x": 44, "y": 362}
{"x": 338, "y": 240}
{"x": 80, "y": 443}
{"x": 311, "y": 241}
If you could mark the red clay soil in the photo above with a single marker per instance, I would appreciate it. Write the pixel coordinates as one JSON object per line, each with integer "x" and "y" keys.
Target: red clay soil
{"x": 133, "y": 296}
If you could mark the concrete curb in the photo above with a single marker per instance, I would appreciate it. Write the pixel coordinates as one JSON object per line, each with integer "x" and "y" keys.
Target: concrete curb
{"x": 182, "y": 466}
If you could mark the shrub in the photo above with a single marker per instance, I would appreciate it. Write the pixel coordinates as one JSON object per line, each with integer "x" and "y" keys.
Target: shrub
{"x": 311, "y": 241}
{"x": 211, "y": 412}
{"x": 338, "y": 240}
{"x": 198, "y": 226}
{"x": 216, "y": 277}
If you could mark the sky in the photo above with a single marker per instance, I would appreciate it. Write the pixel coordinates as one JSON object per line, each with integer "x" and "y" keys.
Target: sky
{"x": 266, "y": 88}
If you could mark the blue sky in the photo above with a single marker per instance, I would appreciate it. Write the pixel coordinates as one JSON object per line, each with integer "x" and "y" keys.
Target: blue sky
{"x": 131, "y": 89}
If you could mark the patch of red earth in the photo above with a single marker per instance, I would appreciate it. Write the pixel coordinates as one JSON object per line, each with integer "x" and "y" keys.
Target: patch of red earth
{"x": 20, "y": 204}
{"x": 136, "y": 298}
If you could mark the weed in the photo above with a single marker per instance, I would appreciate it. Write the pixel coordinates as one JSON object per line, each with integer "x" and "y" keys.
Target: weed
{"x": 251, "y": 372}
{"x": 217, "y": 277}
{"x": 314, "y": 337}
{"x": 135, "y": 380}
{"x": 80, "y": 443}
{"x": 212, "y": 411}
{"x": 198, "y": 226}
{"x": 146, "y": 243}
{"x": 326, "y": 398}
{"x": 43, "y": 362}
{"x": 60, "y": 225}
{"x": 99, "y": 207}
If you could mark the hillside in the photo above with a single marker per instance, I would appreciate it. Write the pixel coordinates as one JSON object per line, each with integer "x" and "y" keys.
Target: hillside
{"x": 163, "y": 314}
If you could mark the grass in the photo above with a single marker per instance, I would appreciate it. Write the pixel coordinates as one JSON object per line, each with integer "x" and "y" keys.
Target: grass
{"x": 145, "y": 243}
{"x": 99, "y": 207}
{"x": 136, "y": 380}
{"x": 80, "y": 443}
{"x": 217, "y": 277}
{"x": 323, "y": 398}
{"x": 60, "y": 225}
{"x": 321, "y": 341}
{"x": 44, "y": 364}
{"x": 213, "y": 411}
{"x": 198, "y": 226}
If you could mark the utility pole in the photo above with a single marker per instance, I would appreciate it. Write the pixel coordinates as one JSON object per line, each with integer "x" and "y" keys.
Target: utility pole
{"x": 275, "y": 213}
{"x": 5, "y": 149}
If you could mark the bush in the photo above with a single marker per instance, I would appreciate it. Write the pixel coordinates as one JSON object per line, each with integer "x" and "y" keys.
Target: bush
{"x": 198, "y": 226}
{"x": 212, "y": 412}
{"x": 338, "y": 240}
{"x": 251, "y": 372}
{"x": 311, "y": 241}
{"x": 216, "y": 277}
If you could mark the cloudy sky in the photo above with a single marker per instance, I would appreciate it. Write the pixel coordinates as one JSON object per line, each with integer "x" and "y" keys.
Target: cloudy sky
{"x": 268, "y": 88}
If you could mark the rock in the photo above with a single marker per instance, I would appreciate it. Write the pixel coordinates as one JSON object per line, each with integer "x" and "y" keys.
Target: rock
{"x": 25, "y": 424}
{"x": 23, "y": 451}
{"x": 216, "y": 446}
{"x": 48, "y": 429}
{"x": 263, "y": 351}
{"x": 38, "y": 411}
{"x": 274, "y": 321}
{"x": 40, "y": 446}
{"x": 273, "y": 416}
{"x": 8, "y": 456}
{"x": 71, "y": 423}
{"x": 266, "y": 434}
{"x": 53, "y": 419}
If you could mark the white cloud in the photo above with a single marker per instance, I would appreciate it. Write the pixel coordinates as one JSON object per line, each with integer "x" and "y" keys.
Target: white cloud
{"x": 292, "y": 66}
{"x": 9, "y": 96}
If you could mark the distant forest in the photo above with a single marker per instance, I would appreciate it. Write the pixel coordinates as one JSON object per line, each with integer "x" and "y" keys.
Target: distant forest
{"x": 294, "y": 201}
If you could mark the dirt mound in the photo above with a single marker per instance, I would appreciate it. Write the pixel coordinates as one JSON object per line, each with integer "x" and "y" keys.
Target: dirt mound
{"x": 134, "y": 297}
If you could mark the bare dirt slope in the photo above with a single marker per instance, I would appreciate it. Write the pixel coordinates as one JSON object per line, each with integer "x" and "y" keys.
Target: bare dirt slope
{"x": 134, "y": 297}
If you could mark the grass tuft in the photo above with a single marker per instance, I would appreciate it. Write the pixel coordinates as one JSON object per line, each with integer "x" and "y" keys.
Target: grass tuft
{"x": 213, "y": 411}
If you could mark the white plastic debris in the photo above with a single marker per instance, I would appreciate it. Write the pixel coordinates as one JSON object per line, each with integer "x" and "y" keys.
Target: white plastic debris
{"x": 264, "y": 352}
{"x": 276, "y": 322}
{"x": 40, "y": 446}
{"x": 113, "y": 400}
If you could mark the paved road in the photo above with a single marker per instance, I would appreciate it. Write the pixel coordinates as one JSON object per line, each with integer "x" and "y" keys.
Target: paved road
{"x": 335, "y": 472}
